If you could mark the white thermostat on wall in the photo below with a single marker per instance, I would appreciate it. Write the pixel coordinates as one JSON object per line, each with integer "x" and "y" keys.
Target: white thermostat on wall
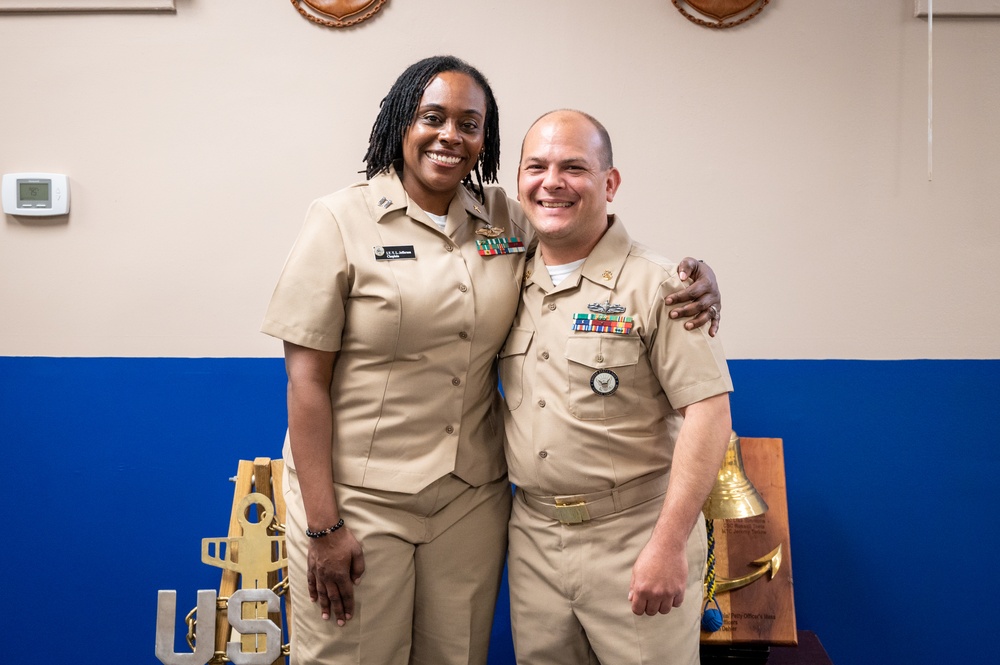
{"x": 35, "y": 194}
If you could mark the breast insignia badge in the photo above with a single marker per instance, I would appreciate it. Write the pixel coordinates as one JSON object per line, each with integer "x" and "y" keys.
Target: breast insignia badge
{"x": 606, "y": 307}
{"x": 490, "y": 231}
{"x": 604, "y": 382}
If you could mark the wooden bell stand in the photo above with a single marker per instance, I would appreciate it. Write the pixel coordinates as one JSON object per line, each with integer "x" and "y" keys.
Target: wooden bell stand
{"x": 760, "y": 614}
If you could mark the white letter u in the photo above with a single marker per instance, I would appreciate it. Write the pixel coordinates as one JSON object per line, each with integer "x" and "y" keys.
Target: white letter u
{"x": 166, "y": 610}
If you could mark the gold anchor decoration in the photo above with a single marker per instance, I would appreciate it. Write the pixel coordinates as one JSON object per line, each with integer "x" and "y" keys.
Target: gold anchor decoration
{"x": 253, "y": 556}
{"x": 243, "y": 622}
{"x": 769, "y": 563}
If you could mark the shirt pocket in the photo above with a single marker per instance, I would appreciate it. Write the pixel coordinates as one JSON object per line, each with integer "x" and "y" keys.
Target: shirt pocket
{"x": 512, "y": 357}
{"x": 610, "y": 363}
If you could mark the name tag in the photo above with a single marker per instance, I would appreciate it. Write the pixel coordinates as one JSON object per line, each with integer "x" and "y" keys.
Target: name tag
{"x": 394, "y": 252}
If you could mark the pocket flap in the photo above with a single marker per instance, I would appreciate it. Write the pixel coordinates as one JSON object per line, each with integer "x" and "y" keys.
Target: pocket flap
{"x": 517, "y": 342}
{"x": 597, "y": 350}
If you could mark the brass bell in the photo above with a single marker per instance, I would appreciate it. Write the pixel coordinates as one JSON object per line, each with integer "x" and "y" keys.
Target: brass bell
{"x": 733, "y": 496}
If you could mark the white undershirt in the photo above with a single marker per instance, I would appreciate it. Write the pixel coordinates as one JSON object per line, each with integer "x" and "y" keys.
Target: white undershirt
{"x": 559, "y": 273}
{"x": 440, "y": 220}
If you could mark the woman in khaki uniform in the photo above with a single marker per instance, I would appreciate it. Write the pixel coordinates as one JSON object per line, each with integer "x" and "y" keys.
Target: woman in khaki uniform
{"x": 393, "y": 304}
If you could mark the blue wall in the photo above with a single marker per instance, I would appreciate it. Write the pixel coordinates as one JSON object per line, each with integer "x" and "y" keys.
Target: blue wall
{"x": 117, "y": 468}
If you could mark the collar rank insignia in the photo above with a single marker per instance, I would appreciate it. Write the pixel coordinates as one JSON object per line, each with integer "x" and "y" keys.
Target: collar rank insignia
{"x": 495, "y": 246}
{"x": 603, "y": 323}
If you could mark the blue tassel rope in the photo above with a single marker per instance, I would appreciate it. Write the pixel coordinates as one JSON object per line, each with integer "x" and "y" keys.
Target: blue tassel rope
{"x": 711, "y": 617}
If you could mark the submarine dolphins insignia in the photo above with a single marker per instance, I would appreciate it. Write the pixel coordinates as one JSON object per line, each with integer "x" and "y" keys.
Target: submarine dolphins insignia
{"x": 606, "y": 307}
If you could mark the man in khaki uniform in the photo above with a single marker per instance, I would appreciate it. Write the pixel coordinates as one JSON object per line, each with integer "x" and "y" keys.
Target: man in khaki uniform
{"x": 617, "y": 421}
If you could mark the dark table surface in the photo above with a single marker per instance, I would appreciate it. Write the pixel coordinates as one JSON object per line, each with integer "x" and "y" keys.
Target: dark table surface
{"x": 808, "y": 652}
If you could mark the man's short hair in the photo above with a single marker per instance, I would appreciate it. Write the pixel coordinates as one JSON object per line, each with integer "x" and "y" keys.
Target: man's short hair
{"x": 607, "y": 154}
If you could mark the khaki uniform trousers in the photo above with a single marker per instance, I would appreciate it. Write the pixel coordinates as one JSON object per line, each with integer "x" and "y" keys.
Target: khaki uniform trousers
{"x": 433, "y": 563}
{"x": 569, "y": 591}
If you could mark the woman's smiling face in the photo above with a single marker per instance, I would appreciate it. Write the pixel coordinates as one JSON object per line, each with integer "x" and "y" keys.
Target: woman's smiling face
{"x": 442, "y": 144}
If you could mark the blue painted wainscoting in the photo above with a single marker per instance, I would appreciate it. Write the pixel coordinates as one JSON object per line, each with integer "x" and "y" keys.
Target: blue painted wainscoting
{"x": 117, "y": 468}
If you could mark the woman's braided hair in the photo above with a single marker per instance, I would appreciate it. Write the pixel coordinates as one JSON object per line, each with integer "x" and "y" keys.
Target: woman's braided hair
{"x": 399, "y": 108}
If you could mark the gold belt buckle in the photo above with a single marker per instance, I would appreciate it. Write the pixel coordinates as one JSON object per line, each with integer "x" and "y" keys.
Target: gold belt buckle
{"x": 571, "y": 512}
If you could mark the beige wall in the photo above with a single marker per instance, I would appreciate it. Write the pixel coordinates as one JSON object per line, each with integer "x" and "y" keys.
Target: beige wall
{"x": 790, "y": 153}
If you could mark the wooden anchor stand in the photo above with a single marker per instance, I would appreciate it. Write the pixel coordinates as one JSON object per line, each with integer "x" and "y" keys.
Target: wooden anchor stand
{"x": 251, "y": 557}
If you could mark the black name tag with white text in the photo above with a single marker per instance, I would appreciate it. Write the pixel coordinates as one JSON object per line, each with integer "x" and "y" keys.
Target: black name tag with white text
{"x": 394, "y": 252}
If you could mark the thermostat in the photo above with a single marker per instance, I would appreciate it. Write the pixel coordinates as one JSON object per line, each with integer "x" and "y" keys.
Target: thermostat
{"x": 35, "y": 194}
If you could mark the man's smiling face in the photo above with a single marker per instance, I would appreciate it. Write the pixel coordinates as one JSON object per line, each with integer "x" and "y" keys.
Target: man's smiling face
{"x": 563, "y": 184}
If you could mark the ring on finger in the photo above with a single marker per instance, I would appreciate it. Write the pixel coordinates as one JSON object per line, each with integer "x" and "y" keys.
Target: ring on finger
{"x": 714, "y": 311}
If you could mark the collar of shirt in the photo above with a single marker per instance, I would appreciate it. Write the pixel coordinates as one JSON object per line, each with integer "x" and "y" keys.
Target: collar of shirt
{"x": 388, "y": 187}
{"x": 602, "y": 267}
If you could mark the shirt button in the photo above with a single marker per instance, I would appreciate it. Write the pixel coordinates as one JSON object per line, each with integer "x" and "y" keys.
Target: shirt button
{"x": 463, "y": 288}
{"x": 599, "y": 359}
{"x": 541, "y": 403}
{"x": 552, "y": 306}
{"x": 449, "y": 248}
{"x": 543, "y": 454}
{"x": 449, "y": 429}
{"x": 545, "y": 355}
{"x": 463, "y": 335}
{"x": 456, "y": 381}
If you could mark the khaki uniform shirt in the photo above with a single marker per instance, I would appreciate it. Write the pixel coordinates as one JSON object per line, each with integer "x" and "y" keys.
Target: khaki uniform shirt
{"x": 416, "y": 317}
{"x": 565, "y": 434}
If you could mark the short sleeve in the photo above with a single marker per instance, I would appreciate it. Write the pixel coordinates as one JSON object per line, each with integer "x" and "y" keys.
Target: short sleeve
{"x": 308, "y": 304}
{"x": 690, "y": 364}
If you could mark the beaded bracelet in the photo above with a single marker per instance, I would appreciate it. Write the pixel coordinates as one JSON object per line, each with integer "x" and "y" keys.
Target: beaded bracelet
{"x": 320, "y": 534}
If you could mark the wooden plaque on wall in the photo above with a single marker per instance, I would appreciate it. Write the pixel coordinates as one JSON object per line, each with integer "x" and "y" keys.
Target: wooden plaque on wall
{"x": 763, "y": 612}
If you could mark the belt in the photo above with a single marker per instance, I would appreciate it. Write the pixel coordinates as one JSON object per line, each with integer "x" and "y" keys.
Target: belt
{"x": 577, "y": 508}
